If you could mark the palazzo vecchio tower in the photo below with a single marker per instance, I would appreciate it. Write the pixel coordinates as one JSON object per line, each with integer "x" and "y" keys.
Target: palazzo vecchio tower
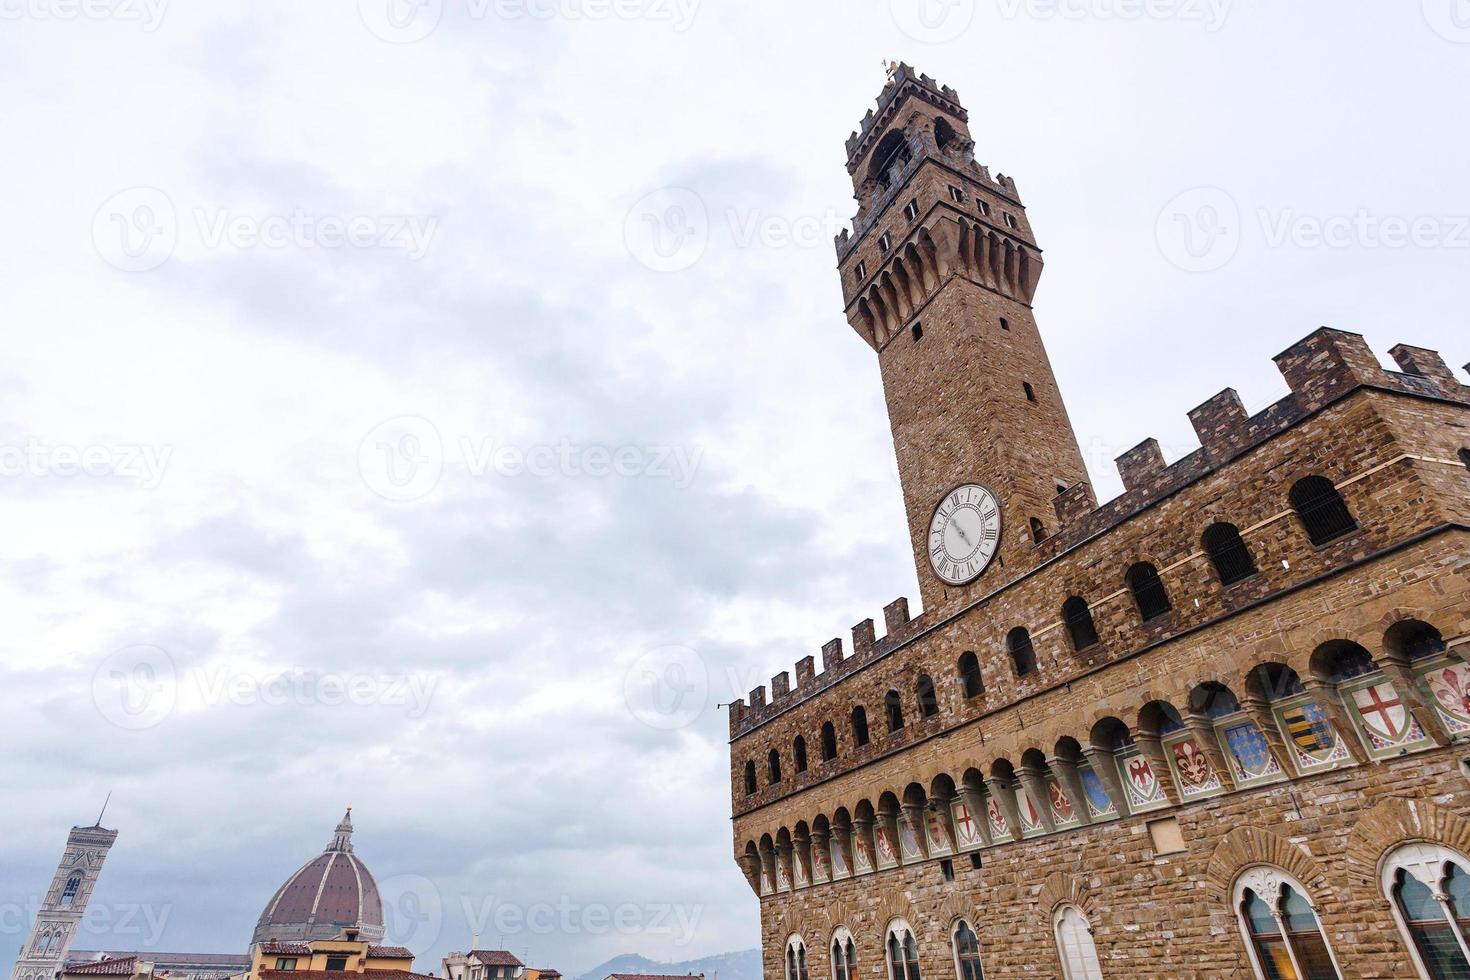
{"x": 1215, "y": 727}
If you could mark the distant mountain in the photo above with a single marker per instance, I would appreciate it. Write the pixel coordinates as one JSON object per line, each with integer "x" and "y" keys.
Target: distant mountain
{"x": 745, "y": 965}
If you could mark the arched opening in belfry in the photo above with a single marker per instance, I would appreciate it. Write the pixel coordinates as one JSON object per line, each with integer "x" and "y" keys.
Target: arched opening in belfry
{"x": 892, "y": 154}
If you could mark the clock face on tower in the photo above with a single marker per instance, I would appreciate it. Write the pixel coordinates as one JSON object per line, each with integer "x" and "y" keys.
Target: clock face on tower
{"x": 964, "y": 534}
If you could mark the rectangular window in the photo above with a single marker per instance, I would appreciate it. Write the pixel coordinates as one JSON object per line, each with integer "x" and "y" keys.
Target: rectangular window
{"x": 1005, "y": 324}
{"x": 1010, "y": 220}
{"x": 885, "y": 242}
{"x": 336, "y": 963}
{"x": 286, "y": 963}
{"x": 985, "y": 209}
{"x": 946, "y": 867}
{"x": 911, "y": 210}
{"x": 861, "y": 272}
{"x": 956, "y": 195}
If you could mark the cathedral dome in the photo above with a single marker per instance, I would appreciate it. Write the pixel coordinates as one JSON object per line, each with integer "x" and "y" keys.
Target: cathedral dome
{"x": 331, "y": 892}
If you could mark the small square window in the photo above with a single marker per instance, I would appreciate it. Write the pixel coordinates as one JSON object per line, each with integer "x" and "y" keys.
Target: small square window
{"x": 946, "y": 868}
{"x": 885, "y": 242}
{"x": 1168, "y": 838}
{"x": 985, "y": 209}
{"x": 1005, "y": 324}
{"x": 975, "y": 861}
{"x": 1010, "y": 220}
{"x": 918, "y": 331}
{"x": 1030, "y": 391}
{"x": 911, "y": 210}
{"x": 956, "y": 195}
{"x": 286, "y": 963}
{"x": 336, "y": 964}
{"x": 861, "y": 272}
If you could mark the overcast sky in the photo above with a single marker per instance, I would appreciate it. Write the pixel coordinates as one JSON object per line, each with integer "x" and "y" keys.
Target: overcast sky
{"x": 441, "y": 410}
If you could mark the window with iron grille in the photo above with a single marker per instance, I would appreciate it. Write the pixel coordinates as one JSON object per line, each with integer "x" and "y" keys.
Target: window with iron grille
{"x": 1228, "y": 553}
{"x": 1148, "y": 590}
{"x": 1023, "y": 654}
{"x": 1080, "y": 626}
{"x": 1323, "y": 512}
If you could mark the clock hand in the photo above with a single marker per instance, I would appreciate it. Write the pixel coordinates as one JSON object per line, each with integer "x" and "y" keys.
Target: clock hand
{"x": 963, "y": 536}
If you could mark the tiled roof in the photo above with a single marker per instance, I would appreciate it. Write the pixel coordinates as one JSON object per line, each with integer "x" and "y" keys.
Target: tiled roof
{"x": 343, "y": 975}
{"x": 81, "y": 957}
{"x": 496, "y": 957}
{"x": 304, "y": 949}
{"x": 124, "y": 967}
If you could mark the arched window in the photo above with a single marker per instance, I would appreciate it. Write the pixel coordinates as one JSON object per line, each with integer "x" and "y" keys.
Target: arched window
{"x": 1080, "y": 626}
{"x": 970, "y": 678}
{"x": 893, "y": 711}
{"x": 69, "y": 893}
{"x": 903, "y": 952}
{"x": 1430, "y": 889}
{"x": 892, "y": 152}
{"x": 750, "y": 785}
{"x": 1228, "y": 553}
{"x": 1281, "y": 930}
{"x": 1075, "y": 945}
{"x": 798, "y": 753}
{"x": 773, "y": 766}
{"x": 1414, "y": 640}
{"x": 966, "y": 953}
{"x": 844, "y": 956}
{"x": 796, "y": 959}
{"x": 829, "y": 742}
{"x": 1023, "y": 654}
{"x": 860, "y": 726}
{"x": 1322, "y": 511}
{"x": 1148, "y": 590}
{"x": 1038, "y": 530}
{"x": 944, "y": 134}
{"x": 928, "y": 699}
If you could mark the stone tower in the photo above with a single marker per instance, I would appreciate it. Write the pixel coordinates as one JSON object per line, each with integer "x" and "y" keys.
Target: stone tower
{"x": 61, "y": 910}
{"x": 938, "y": 277}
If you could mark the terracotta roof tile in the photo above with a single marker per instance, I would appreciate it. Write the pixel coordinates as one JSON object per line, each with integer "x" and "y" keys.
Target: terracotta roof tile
{"x": 124, "y": 967}
{"x": 496, "y": 957}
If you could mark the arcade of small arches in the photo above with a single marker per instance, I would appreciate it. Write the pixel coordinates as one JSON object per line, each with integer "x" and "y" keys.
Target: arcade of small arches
{"x": 1348, "y": 707}
{"x": 1316, "y": 501}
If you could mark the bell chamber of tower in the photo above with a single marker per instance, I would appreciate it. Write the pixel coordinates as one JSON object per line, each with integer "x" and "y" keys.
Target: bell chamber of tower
{"x": 938, "y": 275}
